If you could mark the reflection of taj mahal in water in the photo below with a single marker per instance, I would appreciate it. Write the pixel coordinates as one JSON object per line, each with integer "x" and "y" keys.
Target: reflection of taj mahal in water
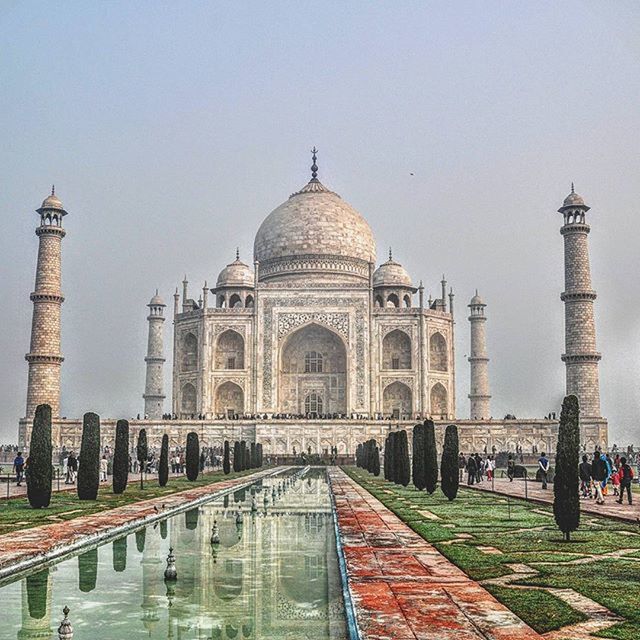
{"x": 312, "y": 346}
{"x": 273, "y": 576}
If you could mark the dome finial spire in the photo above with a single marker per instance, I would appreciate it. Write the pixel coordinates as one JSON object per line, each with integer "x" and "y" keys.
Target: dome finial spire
{"x": 53, "y": 189}
{"x": 314, "y": 166}
{"x": 572, "y": 188}
{"x": 390, "y": 254}
{"x": 237, "y": 253}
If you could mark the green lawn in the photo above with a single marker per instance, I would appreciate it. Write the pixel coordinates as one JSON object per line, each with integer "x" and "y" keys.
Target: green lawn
{"x": 16, "y": 514}
{"x": 525, "y": 533}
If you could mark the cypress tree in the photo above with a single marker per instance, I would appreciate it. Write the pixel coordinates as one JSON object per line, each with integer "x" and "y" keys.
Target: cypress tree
{"x": 566, "y": 503}
{"x": 254, "y": 460}
{"x": 450, "y": 478}
{"x": 359, "y": 455}
{"x": 89, "y": 469}
{"x": 163, "y": 467}
{"x": 88, "y": 570}
{"x": 40, "y": 452}
{"x": 376, "y": 461}
{"x": 418, "y": 459}
{"x": 386, "y": 458}
{"x": 193, "y": 456}
{"x": 119, "y": 550}
{"x": 403, "y": 466}
{"x": 259, "y": 454}
{"x": 430, "y": 457}
{"x": 226, "y": 462}
{"x": 243, "y": 455}
{"x": 236, "y": 456}
{"x": 392, "y": 456}
{"x": 142, "y": 453}
{"x": 121, "y": 457}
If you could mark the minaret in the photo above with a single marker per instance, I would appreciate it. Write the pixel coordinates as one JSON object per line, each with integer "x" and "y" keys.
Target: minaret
{"x": 154, "y": 386}
{"x": 580, "y": 357}
{"x": 44, "y": 357}
{"x": 479, "y": 389}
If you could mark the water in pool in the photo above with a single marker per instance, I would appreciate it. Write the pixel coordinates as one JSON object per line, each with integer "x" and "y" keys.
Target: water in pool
{"x": 274, "y": 575}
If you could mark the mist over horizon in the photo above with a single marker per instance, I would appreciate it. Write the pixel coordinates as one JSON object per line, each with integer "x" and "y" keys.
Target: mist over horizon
{"x": 455, "y": 130}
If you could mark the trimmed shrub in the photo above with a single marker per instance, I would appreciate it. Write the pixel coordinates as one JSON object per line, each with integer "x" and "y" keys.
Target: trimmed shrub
{"x": 418, "y": 459}
{"x": 387, "y": 457}
{"x": 243, "y": 455}
{"x": 450, "y": 475}
{"x": 403, "y": 467}
{"x": 40, "y": 468}
{"x": 88, "y": 570}
{"x": 376, "y": 461}
{"x": 359, "y": 456}
{"x": 566, "y": 503}
{"x": 430, "y": 457}
{"x": 254, "y": 459}
{"x": 193, "y": 456}
{"x": 163, "y": 466}
{"x": 119, "y": 550}
{"x": 89, "y": 469}
{"x": 259, "y": 454}
{"x": 142, "y": 453}
{"x": 121, "y": 457}
{"x": 236, "y": 456}
{"x": 226, "y": 462}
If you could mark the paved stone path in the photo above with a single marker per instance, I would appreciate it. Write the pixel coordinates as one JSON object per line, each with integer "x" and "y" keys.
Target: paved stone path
{"x": 535, "y": 493}
{"x": 21, "y": 548}
{"x": 402, "y": 587}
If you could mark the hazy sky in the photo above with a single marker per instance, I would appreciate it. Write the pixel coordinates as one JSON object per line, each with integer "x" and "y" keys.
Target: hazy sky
{"x": 171, "y": 129}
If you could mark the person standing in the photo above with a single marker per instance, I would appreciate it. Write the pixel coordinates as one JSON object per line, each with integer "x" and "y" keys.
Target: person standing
{"x": 471, "y": 470}
{"x": 103, "y": 469}
{"x": 599, "y": 475}
{"x": 543, "y": 464}
{"x": 462, "y": 464}
{"x": 479, "y": 465}
{"x": 72, "y": 467}
{"x": 18, "y": 467}
{"x": 511, "y": 468}
{"x": 585, "y": 477}
{"x": 626, "y": 477}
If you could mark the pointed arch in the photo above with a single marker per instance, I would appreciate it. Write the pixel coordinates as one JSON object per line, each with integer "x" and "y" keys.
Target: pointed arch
{"x": 188, "y": 399}
{"x": 397, "y": 399}
{"x": 438, "y": 356}
{"x": 229, "y": 350}
{"x": 393, "y": 301}
{"x": 396, "y": 350}
{"x": 229, "y": 399}
{"x": 235, "y": 301}
{"x": 189, "y": 352}
{"x": 439, "y": 401}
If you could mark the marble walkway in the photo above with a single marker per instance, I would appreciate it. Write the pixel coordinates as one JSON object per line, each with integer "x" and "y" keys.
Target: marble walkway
{"x": 22, "y": 549}
{"x": 535, "y": 493}
{"x": 402, "y": 587}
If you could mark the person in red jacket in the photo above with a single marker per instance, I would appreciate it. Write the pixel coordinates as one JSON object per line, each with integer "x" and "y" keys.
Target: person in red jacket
{"x": 626, "y": 476}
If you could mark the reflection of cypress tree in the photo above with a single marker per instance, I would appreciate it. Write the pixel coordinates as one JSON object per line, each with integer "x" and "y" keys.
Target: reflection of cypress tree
{"x": 240, "y": 495}
{"x": 88, "y": 570}
{"x": 226, "y": 501}
{"x": 191, "y": 519}
{"x": 37, "y": 594}
{"x": 120, "y": 554}
{"x": 163, "y": 529}
{"x": 141, "y": 535}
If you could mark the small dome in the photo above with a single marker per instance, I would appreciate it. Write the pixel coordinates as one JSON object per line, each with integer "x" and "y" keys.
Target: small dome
{"x": 391, "y": 274}
{"x": 573, "y": 200}
{"x": 157, "y": 301}
{"x": 476, "y": 301}
{"x": 236, "y": 274}
{"x": 52, "y": 202}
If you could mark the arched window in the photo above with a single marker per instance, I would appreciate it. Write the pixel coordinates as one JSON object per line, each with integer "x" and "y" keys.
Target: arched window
{"x": 396, "y": 350}
{"x": 392, "y": 300}
{"x": 438, "y": 401}
{"x": 249, "y": 302}
{"x": 222, "y": 302}
{"x": 438, "y": 360}
{"x": 229, "y": 399}
{"x": 407, "y": 301}
{"x": 313, "y": 404}
{"x": 378, "y": 302}
{"x": 189, "y": 352}
{"x": 229, "y": 350}
{"x": 188, "y": 402}
{"x": 235, "y": 301}
{"x": 396, "y": 400}
{"x": 313, "y": 362}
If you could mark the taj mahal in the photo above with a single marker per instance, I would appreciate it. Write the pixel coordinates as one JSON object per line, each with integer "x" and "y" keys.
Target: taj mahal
{"x": 312, "y": 345}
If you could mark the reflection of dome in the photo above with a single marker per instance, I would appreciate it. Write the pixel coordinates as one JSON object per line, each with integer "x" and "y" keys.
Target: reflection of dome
{"x": 236, "y": 274}
{"x": 315, "y": 230}
{"x": 391, "y": 274}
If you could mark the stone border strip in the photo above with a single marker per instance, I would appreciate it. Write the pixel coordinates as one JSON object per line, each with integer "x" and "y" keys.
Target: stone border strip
{"x": 21, "y": 551}
{"x": 403, "y": 588}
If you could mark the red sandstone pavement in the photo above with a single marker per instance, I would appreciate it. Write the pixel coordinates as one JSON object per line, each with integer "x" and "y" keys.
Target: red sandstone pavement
{"x": 402, "y": 587}
{"x": 40, "y": 543}
{"x": 535, "y": 493}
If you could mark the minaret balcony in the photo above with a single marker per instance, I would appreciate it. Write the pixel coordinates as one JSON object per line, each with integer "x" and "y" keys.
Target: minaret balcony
{"x": 50, "y": 230}
{"x": 581, "y": 357}
{"x": 46, "y": 297}
{"x": 585, "y": 294}
{"x": 49, "y": 358}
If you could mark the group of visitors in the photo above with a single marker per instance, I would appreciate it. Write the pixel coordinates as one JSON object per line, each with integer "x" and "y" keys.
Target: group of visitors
{"x": 476, "y": 467}
{"x": 596, "y": 475}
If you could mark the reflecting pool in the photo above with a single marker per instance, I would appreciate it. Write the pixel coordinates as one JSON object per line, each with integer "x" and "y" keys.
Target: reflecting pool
{"x": 273, "y": 574}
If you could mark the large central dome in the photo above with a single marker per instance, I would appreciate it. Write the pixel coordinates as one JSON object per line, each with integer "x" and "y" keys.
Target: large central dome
{"x": 314, "y": 232}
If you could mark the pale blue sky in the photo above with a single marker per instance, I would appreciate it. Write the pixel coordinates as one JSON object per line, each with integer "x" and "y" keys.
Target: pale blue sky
{"x": 171, "y": 129}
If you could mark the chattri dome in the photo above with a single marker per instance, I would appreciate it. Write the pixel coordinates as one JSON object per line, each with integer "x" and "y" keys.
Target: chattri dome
{"x": 236, "y": 274}
{"x": 157, "y": 301}
{"x": 52, "y": 202}
{"x": 573, "y": 200}
{"x": 391, "y": 274}
{"x": 315, "y": 230}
